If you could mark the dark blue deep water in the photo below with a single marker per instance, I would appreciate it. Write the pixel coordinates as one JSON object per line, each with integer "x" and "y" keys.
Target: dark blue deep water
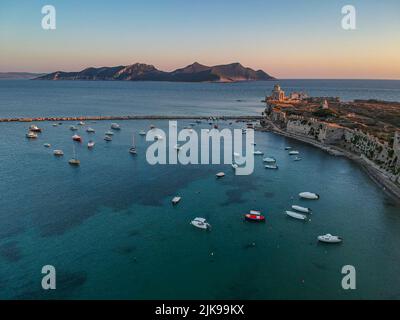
{"x": 111, "y": 232}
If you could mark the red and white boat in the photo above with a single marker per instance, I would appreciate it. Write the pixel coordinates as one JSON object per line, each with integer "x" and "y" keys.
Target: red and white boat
{"x": 254, "y": 215}
{"x": 76, "y": 138}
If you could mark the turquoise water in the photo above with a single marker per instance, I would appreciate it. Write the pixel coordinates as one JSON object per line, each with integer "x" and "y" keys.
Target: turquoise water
{"x": 111, "y": 232}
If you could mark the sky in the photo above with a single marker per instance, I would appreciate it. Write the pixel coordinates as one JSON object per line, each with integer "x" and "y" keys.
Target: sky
{"x": 285, "y": 38}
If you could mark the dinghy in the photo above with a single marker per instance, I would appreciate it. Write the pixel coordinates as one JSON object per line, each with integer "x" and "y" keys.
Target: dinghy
{"x": 301, "y": 209}
{"x": 309, "y": 195}
{"x": 296, "y": 215}
{"x": 328, "y": 238}
{"x": 220, "y": 175}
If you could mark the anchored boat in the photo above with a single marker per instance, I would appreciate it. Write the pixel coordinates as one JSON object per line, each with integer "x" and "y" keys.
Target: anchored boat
{"x": 328, "y": 238}
{"x": 301, "y": 209}
{"x": 77, "y": 138}
{"x": 296, "y": 215}
{"x": 200, "y": 223}
{"x": 175, "y": 200}
{"x": 220, "y": 175}
{"x": 309, "y": 195}
{"x": 254, "y": 216}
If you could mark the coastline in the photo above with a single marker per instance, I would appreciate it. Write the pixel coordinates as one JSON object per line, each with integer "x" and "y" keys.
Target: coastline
{"x": 374, "y": 173}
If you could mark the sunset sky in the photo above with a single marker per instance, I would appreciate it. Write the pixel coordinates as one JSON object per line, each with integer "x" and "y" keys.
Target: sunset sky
{"x": 286, "y": 38}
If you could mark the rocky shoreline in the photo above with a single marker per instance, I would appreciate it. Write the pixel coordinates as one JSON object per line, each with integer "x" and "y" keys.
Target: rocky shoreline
{"x": 373, "y": 171}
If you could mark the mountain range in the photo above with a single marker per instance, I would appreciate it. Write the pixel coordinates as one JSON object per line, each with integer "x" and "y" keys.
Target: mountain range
{"x": 195, "y": 72}
{"x": 18, "y": 75}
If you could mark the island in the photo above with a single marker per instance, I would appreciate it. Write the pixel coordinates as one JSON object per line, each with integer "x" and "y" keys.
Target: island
{"x": 195, "y": 72}
{"x": 366, "y": 131}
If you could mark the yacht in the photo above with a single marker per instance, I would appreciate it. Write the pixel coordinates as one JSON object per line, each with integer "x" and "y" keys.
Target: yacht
{"x": 109, "y": 133}
{"x": 200, "y": 223}
{"x": 31, "y": 135}
{"x": 269, "y": 160}
{"x": 175, "y": 200}
{"x": 271, "y": 166}
{"x": 74, "y": 161}
{"x": 115, "y": 126}
{"x": 328, "y": 238}
{"x": 58, "y": 153}
{"x": 301, "y": 209}
{"x": 90, "y": 130}
{"x": 296, "y": 215}
{"x": 294, "y": 152}
{"x": 309, "y": 195}
{"x": 90, "y": 144}
{"x": 35, "y": 128}
{"x": 77, "y": 138}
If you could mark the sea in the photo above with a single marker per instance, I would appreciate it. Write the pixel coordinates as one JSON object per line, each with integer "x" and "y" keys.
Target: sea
{"x": 108, "y": 226}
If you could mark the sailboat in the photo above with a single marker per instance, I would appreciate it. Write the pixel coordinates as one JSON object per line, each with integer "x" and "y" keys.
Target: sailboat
{"x": 132, "y": 149}
{"x": 74, "y": 161}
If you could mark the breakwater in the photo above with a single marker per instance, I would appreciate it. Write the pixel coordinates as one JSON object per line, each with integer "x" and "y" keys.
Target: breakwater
{"x": 132, "y": 117}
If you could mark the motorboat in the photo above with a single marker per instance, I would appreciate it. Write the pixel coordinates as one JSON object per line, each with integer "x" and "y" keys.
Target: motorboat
{"x": 328, "y": 238}
{"x": 142, "y": 133}
{"x": 31, "y": 135}
{"x": 77, "y": 138}
{"x": 90, "y": 130}
{"x": 297, "y": 159}
{"x": 58, "y": 153}
{"x": 271, "y": 166}
{"x": 55, "y": 124}
{"x": 107, "y": 138}
{"x": 288, "y": 148}
{"x": 109, "y": 133}
{"x": 81, "y": 123}
{"x": 73, "y": 128}
{"x": 296, "y": 215}
{"x": 294, "y": 152}
{"x": 47, "y": 145}
{"x": 301, "y": 209}
{"x": 309, "y": 195}
{"x": 90, "y": 144}
{"x": 175, "y": 200}
{"x": 258, "y": 153}
{"x": 115, "y": 126}
{"x": 220, "y": 174}
{"x": 200, "y": 223}
{"x": 35, "y": 128}
{"x": 254, "y": 216}
{"x": 269, "y": 160}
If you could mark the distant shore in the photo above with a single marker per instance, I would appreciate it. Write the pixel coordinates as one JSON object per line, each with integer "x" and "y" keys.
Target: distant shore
{"x": 131, "y": 117}
{"x": 376, "y": 175}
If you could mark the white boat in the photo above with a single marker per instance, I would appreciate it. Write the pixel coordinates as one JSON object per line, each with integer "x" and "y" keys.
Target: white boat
{"x": 35, "y": 128}
{"x": 73, "y": 128}
{"x": 58, "y": 153}
{"x": 296, "y": 215}
{"x": 301, "y": 209}
{"x": 81, "y": 123}
{"x": 90, "y": 144}
{"x": 132, "y": 149}
{"x": 270, "y": 160}
{"x": 74, "y": 161}
{"x": 47, "y": 145}
{"x": 220, "y": 175}
{"x": 107, "y": 138}
{"x": 288, "y": 148}
{"x": 55, "y": 124}
{"x": 328, "y": 238}
{"x": 31, "y": 135}
{"x": 200, "y": 223}
{"x": 90, "y": 130}
{"x": 294, "y": 152}
{"x": 115, "y": 126}
{"x": 175, "y": 200}
{"x": 297, "y": 159}
{"x": 109, "y": 133}
{"x": 309, "y": 195}
{"x": 258, "y": 153}
{"x": 271, "y": 166}
{"x": 142, "y": 133}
